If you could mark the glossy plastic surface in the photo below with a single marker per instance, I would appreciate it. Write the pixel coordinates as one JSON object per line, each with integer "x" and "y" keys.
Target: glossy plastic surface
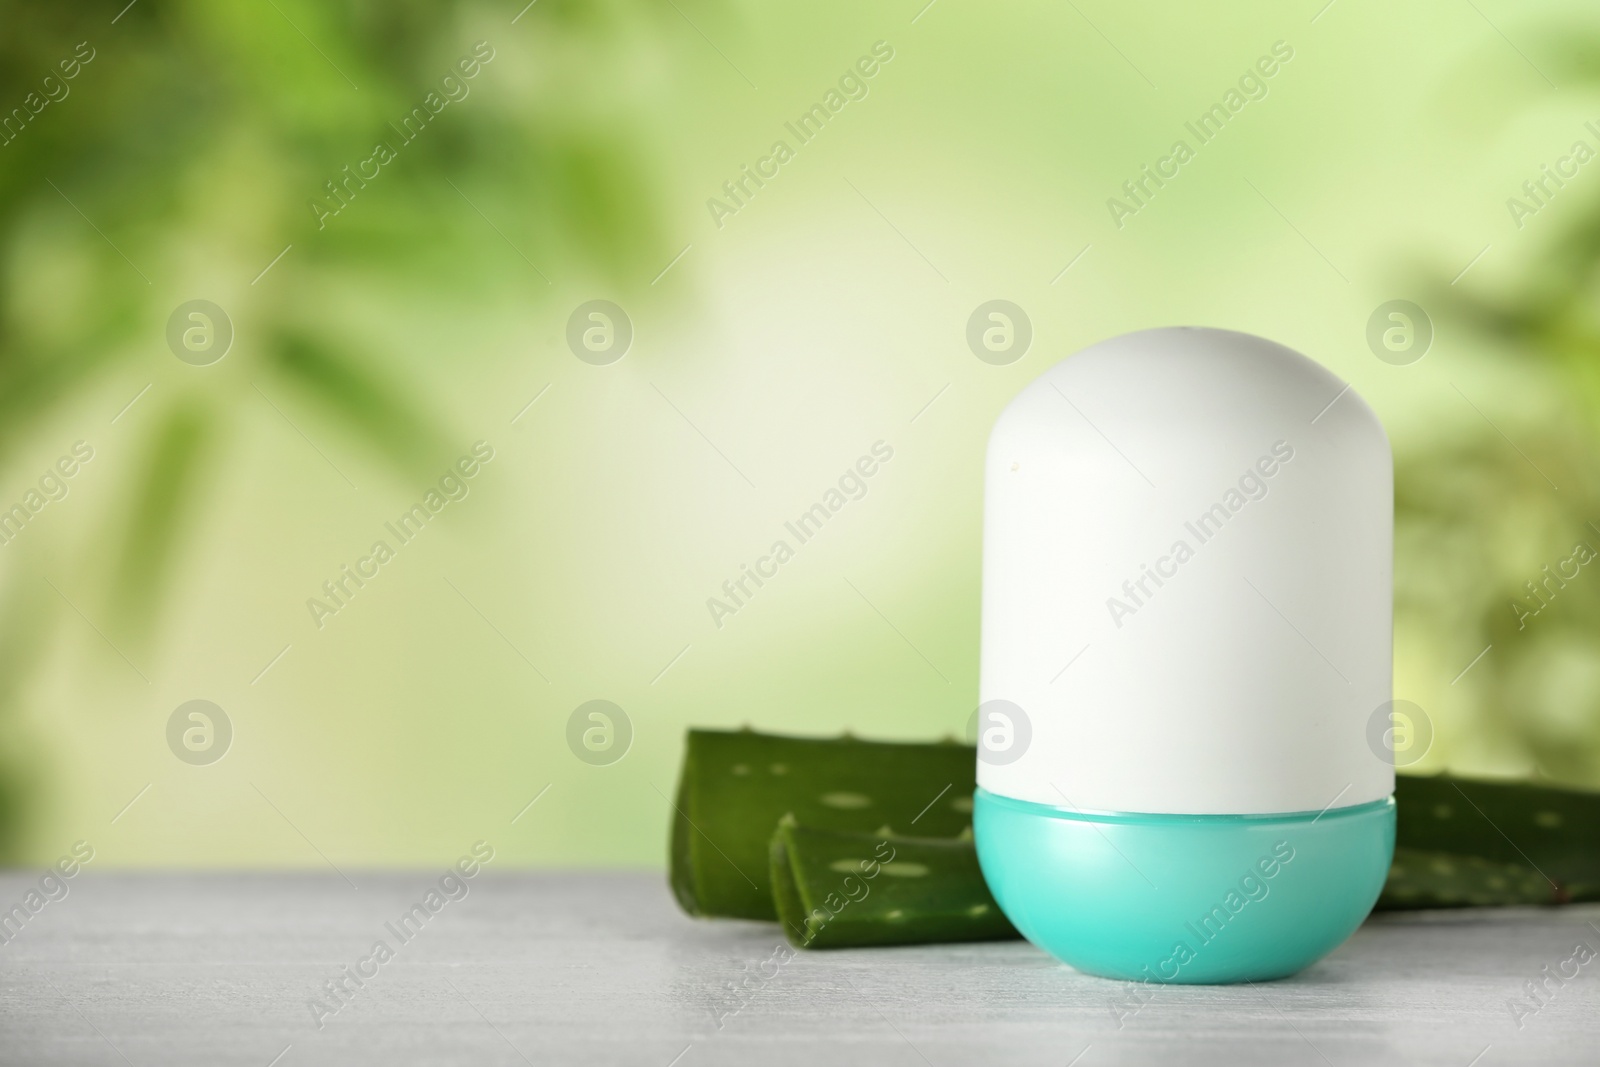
{"x": 1184, "y": 898}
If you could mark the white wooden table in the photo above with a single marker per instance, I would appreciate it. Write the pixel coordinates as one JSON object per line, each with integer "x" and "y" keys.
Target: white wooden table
{"x": 220, "y": 969}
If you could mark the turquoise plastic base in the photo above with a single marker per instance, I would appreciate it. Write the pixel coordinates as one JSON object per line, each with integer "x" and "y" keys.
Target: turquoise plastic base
{"x": 1184, "y": 898}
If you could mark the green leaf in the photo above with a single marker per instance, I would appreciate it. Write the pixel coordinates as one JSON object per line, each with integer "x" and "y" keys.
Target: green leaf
{"x": 357, "y": 399}
{"x": 736, "y": 785}
{"x": 838, "y": 889}
{"x": 163, "y": 499}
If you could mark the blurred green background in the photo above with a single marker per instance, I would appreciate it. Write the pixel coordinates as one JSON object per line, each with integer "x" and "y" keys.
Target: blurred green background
{"x": 373, "y": 348}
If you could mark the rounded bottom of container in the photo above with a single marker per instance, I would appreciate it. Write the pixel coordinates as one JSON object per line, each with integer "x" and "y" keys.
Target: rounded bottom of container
{"x": 1184, "y": 898}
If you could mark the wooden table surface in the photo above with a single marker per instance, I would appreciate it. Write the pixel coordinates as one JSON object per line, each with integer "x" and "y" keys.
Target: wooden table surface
{"x": 223, "y": 969}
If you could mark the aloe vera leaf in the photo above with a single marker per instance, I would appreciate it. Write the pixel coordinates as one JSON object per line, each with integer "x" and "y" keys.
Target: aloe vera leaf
{"x": 736, "y": 785}
{"x": 1550, "y": 831}
{"x": 835, "y": 889}
{"x": 1422, "y": 879}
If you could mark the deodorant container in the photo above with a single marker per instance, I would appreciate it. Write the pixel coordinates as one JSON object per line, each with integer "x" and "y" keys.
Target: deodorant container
{"x": 1187, "y": 627}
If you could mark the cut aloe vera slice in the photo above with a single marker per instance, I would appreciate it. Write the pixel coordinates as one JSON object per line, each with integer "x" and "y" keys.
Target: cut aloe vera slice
{"x": 736, "y": 785}
{"x": 837, "y": 889}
